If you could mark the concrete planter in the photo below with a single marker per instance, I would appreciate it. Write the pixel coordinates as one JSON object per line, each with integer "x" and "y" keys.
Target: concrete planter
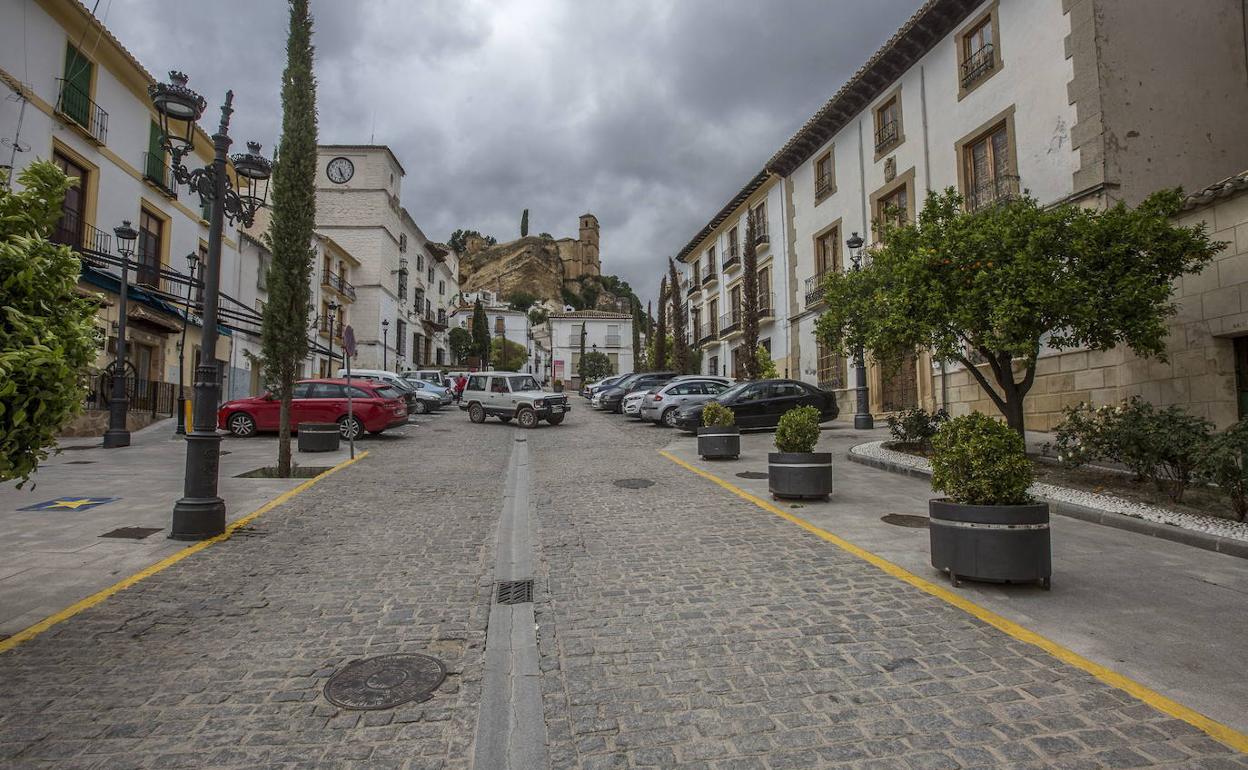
{"x": 799, "y": 475}
{"x": 1004, "y": 543}
{"x": 719, "y": 443}
{"x": 319, "y": 437}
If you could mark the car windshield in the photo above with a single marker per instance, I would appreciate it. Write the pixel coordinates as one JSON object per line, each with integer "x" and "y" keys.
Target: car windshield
{"x": 385, "y": 391}
{"x": 524, "y": 383}
{"x": 732, "y": 392}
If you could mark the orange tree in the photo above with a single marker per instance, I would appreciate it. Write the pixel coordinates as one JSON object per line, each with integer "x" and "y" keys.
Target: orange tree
{"x": 988, "y": 288}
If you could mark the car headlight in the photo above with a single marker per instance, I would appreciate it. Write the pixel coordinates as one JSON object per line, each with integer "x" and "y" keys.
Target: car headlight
{"x": 539, "y": 403}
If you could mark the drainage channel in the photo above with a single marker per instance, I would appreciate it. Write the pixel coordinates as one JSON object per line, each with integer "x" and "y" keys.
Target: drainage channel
{"x": 511, "y": 725}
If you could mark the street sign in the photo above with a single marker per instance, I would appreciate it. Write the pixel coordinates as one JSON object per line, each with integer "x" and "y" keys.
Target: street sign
{"x": 348, "y": 341}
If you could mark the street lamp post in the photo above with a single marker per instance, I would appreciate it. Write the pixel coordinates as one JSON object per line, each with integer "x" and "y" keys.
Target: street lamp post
{"x": 119, "y": 403}
{"x": 192, "y": 260}
{"x": 200, "y": 513}
{"x": 332, "y": 310}
{"x": 862, "y": 410}
{"x": 385, "y": 342}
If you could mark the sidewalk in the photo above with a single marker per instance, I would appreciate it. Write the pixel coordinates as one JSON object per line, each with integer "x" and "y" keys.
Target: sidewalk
{"x": 52, "y": 558}
{"x": 1170, "y": 616}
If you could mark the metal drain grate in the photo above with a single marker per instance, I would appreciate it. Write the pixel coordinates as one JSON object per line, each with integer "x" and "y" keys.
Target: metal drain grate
{"x": 132, "y": 533}
{"x": 633, "y": 483}
{"x": 905, "y": 520}
{"x": 515, "y": 592}
{"x": 752, "y": 475}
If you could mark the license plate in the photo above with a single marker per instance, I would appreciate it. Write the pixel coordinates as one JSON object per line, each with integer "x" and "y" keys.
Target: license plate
{"x": 557, "y": 409}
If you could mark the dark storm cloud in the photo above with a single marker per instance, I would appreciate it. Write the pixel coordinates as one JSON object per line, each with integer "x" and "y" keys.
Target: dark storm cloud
{"x": 650, "y": 114}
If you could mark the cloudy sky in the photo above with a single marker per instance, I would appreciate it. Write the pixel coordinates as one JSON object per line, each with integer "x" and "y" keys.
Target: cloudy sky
{"x": 649, "y": 113}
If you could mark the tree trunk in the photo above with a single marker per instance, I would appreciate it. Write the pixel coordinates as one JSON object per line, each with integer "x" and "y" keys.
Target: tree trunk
{"x": 283, "y": 435}
{"x": 1012, "y": 394}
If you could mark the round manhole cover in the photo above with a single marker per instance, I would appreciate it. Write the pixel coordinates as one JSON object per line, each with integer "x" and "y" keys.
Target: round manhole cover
{"x": 752, "y": 475}
{"x": 904, "y": 520}
{"x": 385, "y": 681}
{"x": 633, "y": 483}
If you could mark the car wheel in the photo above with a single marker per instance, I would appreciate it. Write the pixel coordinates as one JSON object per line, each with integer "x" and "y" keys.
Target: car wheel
{"x": 555, "y": 419}
{"x": 669, "y": 417}
{"x": 241, "y": 424}
{"x": 420, "y": 407}
{"x": 504, "y": 418}
{"x": 350, "y": 428}
{"x": 476, "y": 413}
{"x": 528, "y": 418}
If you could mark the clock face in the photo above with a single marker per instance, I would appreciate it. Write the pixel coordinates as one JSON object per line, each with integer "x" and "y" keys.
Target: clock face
{"x": 340, "y": 170}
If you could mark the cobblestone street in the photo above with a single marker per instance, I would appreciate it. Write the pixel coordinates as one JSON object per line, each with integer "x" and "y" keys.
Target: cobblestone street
{"x": 678, "y": 626}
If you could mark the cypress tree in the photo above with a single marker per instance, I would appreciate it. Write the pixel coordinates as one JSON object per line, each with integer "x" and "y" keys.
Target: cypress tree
{"x": 480, "y": 334}
{"x": 636, "y": 307}
{"x": 680, "y": 337}
{"x": 749, "y": 302}
{"x": 660, "y": 330}
{"x": 524, "y": 223}
{"x": 283, "y": 331}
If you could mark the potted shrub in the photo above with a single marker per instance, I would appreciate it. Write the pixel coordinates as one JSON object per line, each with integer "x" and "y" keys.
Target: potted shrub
{"x": 797, "y": 471}
{"x": 987, "y": 528}
{"x": 558, "y": 386}
{"x": 719, "y": 438}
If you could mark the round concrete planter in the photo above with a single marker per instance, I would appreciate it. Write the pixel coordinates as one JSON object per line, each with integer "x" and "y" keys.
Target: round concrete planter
{"x": 319, "y": 437}
{"x": 719, "y": 443}
{"x": 1003, "y": 543}
{"x": 799, "y": 475}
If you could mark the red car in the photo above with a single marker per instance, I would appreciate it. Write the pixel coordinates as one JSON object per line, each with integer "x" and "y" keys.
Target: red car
{"x": 375, "y": 407}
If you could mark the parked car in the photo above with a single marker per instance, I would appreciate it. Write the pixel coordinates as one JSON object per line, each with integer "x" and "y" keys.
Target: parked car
{"x": 759, "y": 404}
{"x": 632, "y": 402}
{"x": 660, "y": 404}
{"x": 429, "y": 375}
{"x": 417, "y": 402}
{"x": 444, "y": 395}
{"x": 589, "y": 390}
{"x": 612, "y": 399}
{"x": 375, "y": 407}
{"x": 508, "y": 395}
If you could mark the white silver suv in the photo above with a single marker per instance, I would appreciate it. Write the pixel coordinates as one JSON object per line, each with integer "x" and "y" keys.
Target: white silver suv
{"x": 508, "y": 395}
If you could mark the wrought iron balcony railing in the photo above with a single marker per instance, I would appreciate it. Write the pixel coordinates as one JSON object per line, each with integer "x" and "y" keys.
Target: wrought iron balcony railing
{"x": 159, "y": 174}
{"x": 339, "y": 284}
{"x": 148, "y": 271}
{"x": 992, "y": 191}
{"x": 766, "y": 306}
{"x": 76, "y": 104}
{"x": 710, "y": 277}
{"x": 72, "y": 231}
{"x": 731, "y": 259}
{"x": 886, "y": 135}
{"x": 814, "y": 288}
{"x": 760, "y": 231}
{"x": 729, "y": 323}
{"x": 823, "y": 185}
{"x": 978, "y": 65}
{"x": 695, "y": 286}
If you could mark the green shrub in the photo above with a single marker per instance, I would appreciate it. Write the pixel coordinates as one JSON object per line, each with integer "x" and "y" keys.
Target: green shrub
{"x": 916, "y": 426}
{"x": 1223, "y": 463}
{"x": 977, "y": 460}
{"x": 716, "y": 415}
{"x": 798, "y": 430}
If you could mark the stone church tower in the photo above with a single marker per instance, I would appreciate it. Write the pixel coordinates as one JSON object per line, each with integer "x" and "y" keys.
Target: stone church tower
{"x": 583, "y": 257}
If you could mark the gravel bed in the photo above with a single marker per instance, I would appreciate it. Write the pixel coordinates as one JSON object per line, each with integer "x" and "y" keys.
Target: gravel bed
{"x": 1237, "y": 530}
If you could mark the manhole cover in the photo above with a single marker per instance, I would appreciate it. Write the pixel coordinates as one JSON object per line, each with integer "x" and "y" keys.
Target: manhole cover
{"x": 132, "y": 533}
{"x": 633, "y": 483}
{"x": 385, "y": 681}
{"x": 904, "y": 520}
{"x": 752, "y": 475}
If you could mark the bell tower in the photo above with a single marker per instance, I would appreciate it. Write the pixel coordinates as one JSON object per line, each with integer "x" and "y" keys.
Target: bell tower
{"x": 588, "y": 241}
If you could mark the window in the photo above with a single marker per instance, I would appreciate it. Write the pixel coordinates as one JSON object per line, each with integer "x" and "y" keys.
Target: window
{"x": 712, "y": 366}
{"x": 327, "y": 390}
{"x": 301, "y": 390}
{"x": 500, "y": 325}
{"x": 831, "y": 368}
{"x": 150, "y": 247}
{"x": 476, "y": 382}
{"x": 892, "y": 208}
{"x": 75, "y": 97}
{"x": 712, "y": 318}
{"x": 988, "y": 168}
{"x": 72, "y": 227}
{"x": 400, "y": 337}
{"x": 978, "y": 53}
{"x": 764, "y": 292}
{"x": 888, "y": 125}
{"x": 440, "y": 354}
{"x": 498, "y": 385}
{"x": 441, "y": 288}
{"x": 825, "y": 182}
{"x": 758, "y": 218}
{"x": 710, "y": 262}
{"x": 402, "y": 284}
{"x": 429, "y": 276}
{"x": 827, "y": 252}
{"x": 730, "y": 250}
{"x": 262, "y": 272}
{"x": 420, "y": 261}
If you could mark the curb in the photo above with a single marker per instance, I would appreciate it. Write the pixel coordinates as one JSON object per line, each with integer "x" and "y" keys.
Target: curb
{"x": 1202, "y": 540}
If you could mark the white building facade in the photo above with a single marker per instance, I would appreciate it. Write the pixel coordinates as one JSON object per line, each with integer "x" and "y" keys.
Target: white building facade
{"x": 604, "y": 332}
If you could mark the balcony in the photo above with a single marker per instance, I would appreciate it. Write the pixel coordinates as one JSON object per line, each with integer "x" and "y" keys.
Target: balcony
{"x": 766, "y": 307}
{"x": 823, "y": 186}
{"x": 324, "y": 328}
{"x": 710, "y": 278}
{"x": 709, "y": 336}
{"x": 695, "y": 286}
{"x": 729, "y": 324}
{"x": 158, "y": 174}
{"x": 814, "y": 288}
{"x": 760, "y": 231}
{"x": 338, "y": 284}
{"x": 76, "y": 105}
{"x": 732, "y": 258}
{"x": 978, "y": 66}
{"x": 886, "y": 136}
{"x": 73, "y": 232}
{"x": 990, "y": 192}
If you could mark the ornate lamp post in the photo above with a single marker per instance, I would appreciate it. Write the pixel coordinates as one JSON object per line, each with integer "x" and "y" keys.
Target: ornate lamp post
{"x": 192, "y": 261}
{"x": 332, "y": 308}
{"x": 200, "y": 513}
{"x": 862, "y": 410}
{"x": 385, "y": 342}
{"x": 119, "y": 403}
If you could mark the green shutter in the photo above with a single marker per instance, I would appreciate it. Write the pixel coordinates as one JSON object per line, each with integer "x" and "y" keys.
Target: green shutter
{"x": 154, "y": 167}
{"x": 76, "y": 95}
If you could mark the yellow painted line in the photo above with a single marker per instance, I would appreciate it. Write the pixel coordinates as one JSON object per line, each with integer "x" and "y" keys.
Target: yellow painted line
{"x": 121, "y": 585}
{"x": 1217, "y": 730}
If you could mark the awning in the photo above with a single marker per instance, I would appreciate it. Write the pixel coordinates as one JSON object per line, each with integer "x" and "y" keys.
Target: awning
{"x": 152, "y": 318}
